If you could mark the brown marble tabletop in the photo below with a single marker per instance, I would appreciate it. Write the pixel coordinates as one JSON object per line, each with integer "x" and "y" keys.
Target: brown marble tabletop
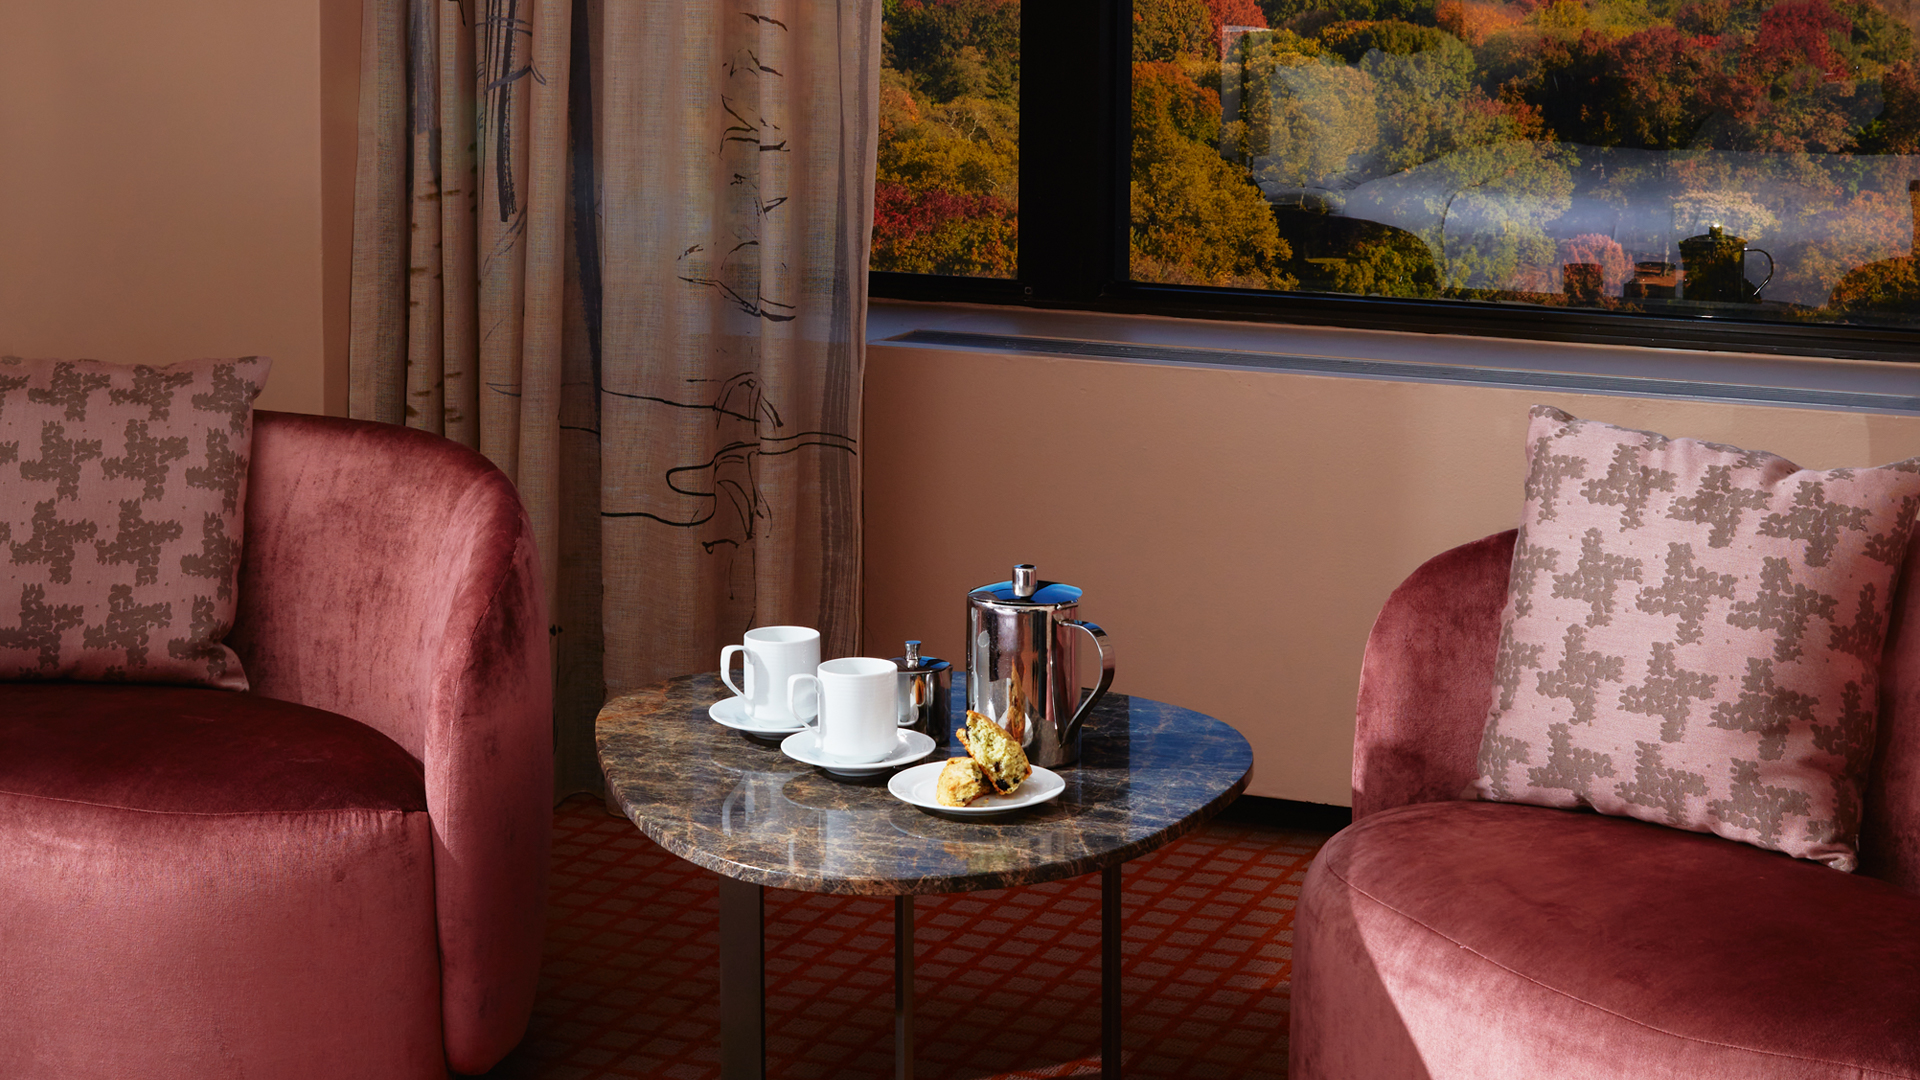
{"x": 1148, "y": 773}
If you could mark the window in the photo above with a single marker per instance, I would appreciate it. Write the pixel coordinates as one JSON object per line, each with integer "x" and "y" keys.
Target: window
{"x": 1699, "y": 173}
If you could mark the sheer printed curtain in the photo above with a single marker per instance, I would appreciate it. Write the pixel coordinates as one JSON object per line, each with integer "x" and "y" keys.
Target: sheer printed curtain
{"x": 620, "y": 246}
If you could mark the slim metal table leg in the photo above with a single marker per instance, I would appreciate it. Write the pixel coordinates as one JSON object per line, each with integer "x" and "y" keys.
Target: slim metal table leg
{"x": 903, "y": 987}
{"x": 743, "y": 982}
{"x": 1110, "y": 972}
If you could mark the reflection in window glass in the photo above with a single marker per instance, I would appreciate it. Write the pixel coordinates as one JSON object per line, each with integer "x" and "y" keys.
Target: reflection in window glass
{"x": 947, "y": 196}
{"x": 1754, "y": 158}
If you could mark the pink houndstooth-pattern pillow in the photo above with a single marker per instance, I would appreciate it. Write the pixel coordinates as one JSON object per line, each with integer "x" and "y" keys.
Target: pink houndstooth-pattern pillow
{"x": 1692, "y": 635}
{"x": 122, "y": 497}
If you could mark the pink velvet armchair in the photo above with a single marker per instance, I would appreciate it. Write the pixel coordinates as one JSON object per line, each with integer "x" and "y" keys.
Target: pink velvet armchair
{"x": 1438, "y": 938}
{"x": 341, "y": 873}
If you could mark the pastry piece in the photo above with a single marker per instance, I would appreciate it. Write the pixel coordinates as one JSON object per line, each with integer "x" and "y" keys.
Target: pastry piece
{"x": 961, "y": 782}
{"x": 987, "y": 743}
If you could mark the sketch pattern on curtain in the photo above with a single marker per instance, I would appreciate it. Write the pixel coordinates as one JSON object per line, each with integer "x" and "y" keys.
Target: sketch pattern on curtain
{"x": 742, "y": 294}
{"x": 730, "y": 506}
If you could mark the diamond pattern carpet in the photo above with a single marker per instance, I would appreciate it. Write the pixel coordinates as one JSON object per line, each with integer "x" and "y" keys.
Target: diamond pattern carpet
{"x": 1007, "y": 981}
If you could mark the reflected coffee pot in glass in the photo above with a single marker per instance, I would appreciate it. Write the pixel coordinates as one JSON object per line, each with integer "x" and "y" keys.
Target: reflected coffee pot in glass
{"x": 1021, "y": 639}
{"x": 1716, "y": 268}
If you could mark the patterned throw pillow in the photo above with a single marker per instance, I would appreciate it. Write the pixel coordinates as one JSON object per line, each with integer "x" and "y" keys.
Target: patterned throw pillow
{"x": 1692, "y": 635}
{"x": 122, "y": 494}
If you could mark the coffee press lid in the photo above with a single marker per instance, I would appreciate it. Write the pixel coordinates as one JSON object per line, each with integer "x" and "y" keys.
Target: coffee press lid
{"x": 1027, "y": 590}
{"x": 1713, "y": 235}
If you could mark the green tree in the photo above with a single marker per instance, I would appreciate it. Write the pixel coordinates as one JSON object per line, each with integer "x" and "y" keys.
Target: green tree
{"x": 1428, "y": 104}
{"x": 1499, "y": 194}
{"x": 945, "y": 49}
{"x": 1391, "y": 262}
{"x": 1879, "y": 39}
{"x": 1897, "y": 129}
{"x": 1306, "y": 118}
{"x": 1353, "y": 39}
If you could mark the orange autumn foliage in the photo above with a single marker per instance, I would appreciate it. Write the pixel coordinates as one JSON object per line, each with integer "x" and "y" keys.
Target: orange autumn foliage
{"x": 1234, "y": 13}
{"x": 1473, "y": 21}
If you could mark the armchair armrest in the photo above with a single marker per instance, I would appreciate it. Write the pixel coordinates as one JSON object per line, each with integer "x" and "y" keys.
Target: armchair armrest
{"x": 1427, "y": 678}
{"x": 391, "y": 576}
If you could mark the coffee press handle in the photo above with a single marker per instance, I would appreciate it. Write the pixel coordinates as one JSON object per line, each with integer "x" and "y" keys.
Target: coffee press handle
{"x": 1105, "y": 645}
{"x": 1757, "y": 251}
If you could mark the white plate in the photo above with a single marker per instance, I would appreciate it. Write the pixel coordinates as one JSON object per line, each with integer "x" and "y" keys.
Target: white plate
{"x": 804, "y": 745}
{"x": 732, "y": 712}
{"x": 919, "y": 784}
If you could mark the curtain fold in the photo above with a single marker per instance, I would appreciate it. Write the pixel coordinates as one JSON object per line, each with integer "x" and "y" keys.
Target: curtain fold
{"x": 620, "y": 246}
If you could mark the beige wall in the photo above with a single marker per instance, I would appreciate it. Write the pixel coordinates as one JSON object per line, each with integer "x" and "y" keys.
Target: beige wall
{"x": 1235, "y": 531}
{"x": 178, "y": 182}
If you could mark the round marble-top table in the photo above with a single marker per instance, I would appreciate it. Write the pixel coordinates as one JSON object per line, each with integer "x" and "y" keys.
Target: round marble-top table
{"x": 1148, "y": 774}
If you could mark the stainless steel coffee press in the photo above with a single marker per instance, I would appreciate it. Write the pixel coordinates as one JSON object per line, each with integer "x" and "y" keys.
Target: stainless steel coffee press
{"x": 926, "y": 694}
{"x": 1021, "y": 638}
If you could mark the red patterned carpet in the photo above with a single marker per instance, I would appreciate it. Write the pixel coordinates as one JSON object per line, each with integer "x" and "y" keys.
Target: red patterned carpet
{"x": 1008, "y": 981}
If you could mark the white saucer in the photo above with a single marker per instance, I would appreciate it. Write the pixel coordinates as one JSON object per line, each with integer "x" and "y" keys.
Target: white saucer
{"x": 919, "y": 784}
{"x": 804, "y": 745}
{"x": 732, "y": 712}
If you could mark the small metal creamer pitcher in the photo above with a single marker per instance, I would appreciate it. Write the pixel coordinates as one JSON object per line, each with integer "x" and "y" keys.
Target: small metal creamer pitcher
{"x": 1021, "y": 639}
{"x": 926, "y": 692}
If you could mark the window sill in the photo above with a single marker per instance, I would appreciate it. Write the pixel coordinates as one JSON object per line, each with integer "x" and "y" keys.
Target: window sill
{"x": 1798, "y": 382}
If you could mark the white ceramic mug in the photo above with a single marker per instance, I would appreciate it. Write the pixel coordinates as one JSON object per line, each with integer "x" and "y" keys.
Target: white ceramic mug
{"x": 774, "y": 654}
{"x": 858, "y": 703}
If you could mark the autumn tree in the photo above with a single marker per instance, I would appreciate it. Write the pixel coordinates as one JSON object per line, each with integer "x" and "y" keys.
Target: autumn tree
{"x": 1605, "y": 252}
{"x": 1225, "y": 13}
{"x": 1302, "y": 14}
{"x": 1170, "y": 30}
{"x": 968, "y": 145}
{"x": 1473, "y": 21}
{"x": 1654, "y": 89}
{"x": 947, "y": 186}
{"x": 934, "y": 231}
{"x": 1799, "y": 33}
{"x": 1196, "y": 217}
{"x": 1888, "y": 289}
{"x": 1852, "y": 231}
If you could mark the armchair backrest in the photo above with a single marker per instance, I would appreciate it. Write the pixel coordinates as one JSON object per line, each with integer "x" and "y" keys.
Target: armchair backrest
{"x": 370, "y": 556}
{"x": 391, "y": 576}
{"x": 1427, "y": 680}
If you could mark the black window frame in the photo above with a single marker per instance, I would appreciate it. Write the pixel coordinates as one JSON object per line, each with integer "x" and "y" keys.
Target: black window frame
{"x": 1075, "y": 162}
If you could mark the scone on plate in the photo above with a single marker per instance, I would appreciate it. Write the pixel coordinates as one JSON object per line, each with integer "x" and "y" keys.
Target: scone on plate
{"x": 961, "y": 782}
{"x": 987, "y": 743}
